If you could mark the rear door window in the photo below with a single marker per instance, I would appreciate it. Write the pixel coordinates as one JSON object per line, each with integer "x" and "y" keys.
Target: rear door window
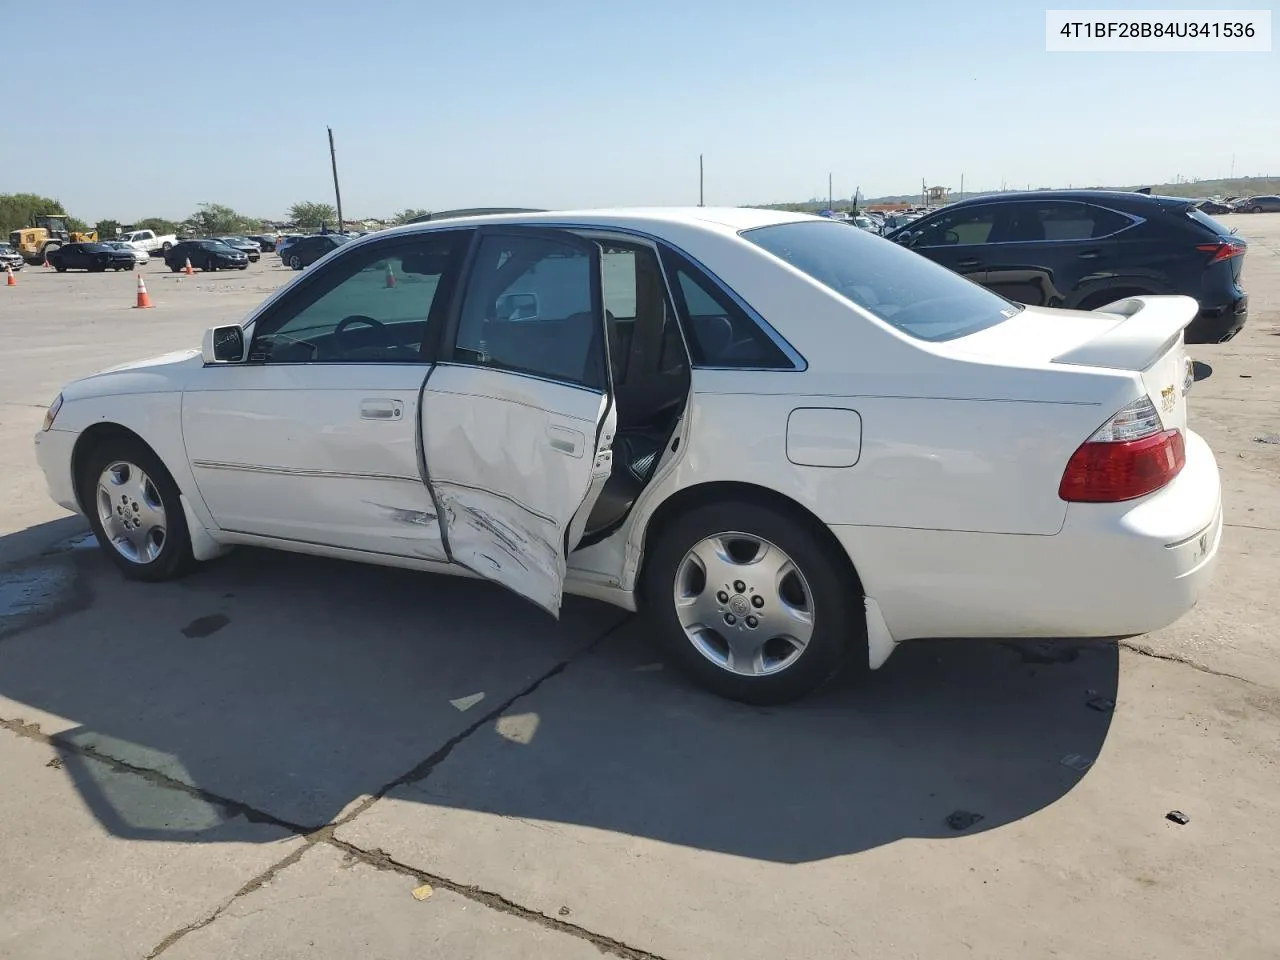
{"x": 1056, "y": 220}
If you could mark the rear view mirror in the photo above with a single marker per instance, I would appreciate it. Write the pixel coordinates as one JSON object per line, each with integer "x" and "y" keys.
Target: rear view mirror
{"x": 517, "y": 306}
{"x": 424, "y": 264}
{"x": 223, "y": 345}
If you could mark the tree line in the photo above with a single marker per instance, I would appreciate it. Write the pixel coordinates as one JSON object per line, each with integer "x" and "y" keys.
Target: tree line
{"x": 18, "y": 210}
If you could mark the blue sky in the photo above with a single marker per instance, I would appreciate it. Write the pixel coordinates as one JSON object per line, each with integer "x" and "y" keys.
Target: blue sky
{"x": 578, "y": 103}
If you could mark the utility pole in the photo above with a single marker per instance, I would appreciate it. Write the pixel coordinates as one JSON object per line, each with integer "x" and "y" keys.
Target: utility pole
{"x": 962, "y": 186}
{"x": 924, "y": 193}
{"x": 337, "y": 194}
{"x": 700, "y": 180}
{"x": 1233, "y": 166}
{"x": 830, "y": 198}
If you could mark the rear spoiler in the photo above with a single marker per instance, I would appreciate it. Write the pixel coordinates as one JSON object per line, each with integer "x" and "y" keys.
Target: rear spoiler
{"x": 1148, "y": 328}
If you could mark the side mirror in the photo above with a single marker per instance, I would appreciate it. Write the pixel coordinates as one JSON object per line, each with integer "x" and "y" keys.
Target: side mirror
{"x": 223, "y": 345}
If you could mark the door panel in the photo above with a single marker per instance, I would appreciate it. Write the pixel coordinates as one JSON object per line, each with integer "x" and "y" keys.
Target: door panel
{"x": 518, "y": 419}
{"x": 313, "y": 452}
{"x": 512, "y": 461}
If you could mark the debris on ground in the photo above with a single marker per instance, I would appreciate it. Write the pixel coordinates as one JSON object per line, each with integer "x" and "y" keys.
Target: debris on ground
{"x": 962, "y": 819}
{"x": 1178, "y": 817}
{"x": 1101, "y": 704}
{"x": 564, "y": 911}
{"x": 422, "y": 892}
{"x": 1269, "y": 438}
{"x": 463, "y": 704}
{"x": 1076, "y": 762}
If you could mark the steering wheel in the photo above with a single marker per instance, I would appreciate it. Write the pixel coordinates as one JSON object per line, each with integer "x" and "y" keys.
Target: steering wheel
{"x": 359, "y": 319}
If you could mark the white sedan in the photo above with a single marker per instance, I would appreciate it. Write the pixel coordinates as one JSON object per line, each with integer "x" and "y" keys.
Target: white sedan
{"x": 795, "y": 444}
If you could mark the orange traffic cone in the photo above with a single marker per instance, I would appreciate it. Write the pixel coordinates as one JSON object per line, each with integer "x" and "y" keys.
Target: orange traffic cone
{"x": 391, "y": 275}
{"x": 12, "y": 281}
{"x": 188, "y": 269}
{"x": 144, "y": 298}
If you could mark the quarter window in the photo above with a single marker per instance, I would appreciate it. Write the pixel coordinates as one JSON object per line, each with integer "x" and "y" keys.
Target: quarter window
{"x": 529, "y": 309}
{"x": 373, "y": 306}
{"x": 719, "y": 332}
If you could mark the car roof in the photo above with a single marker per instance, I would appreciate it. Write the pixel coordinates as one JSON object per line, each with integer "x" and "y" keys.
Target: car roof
{"x": 638, "y": 219}
{"x": 1109, "y": 197}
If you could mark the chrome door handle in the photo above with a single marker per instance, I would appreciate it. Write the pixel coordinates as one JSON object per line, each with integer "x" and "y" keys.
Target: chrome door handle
{"x": 377, "y": 409}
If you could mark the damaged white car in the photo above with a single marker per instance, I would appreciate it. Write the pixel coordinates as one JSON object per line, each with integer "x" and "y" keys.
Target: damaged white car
{"x": 795, "y": 444}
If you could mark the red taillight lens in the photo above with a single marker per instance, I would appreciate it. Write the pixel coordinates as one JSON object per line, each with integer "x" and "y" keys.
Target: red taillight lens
{"x": 1222, "y": 250}
{"x": 1112, "y": 471}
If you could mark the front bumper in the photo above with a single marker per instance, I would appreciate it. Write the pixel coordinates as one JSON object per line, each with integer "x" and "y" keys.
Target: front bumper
{"x": 1113, "y": 570}
{"x": 53, "y": 453}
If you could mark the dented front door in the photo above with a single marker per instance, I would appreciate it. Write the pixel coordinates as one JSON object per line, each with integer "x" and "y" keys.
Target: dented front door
{"x": 518, "y": 417}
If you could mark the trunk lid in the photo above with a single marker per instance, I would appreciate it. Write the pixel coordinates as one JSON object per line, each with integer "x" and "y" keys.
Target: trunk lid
{"x": 1139, "y": 334}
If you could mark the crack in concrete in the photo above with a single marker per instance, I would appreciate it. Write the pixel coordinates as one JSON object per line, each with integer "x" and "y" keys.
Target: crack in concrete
{"x": 326, "y": 834}
{"x": 1146, "y": 651}
{"x": 1252, "y": 526}
{"x": 230, "y": 808}
{"x": 381, "y": 860}
{"x": 422, "y": 770}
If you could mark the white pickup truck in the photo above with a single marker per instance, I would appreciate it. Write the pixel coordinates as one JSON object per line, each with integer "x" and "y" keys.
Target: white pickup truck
{"x": 148, "y": 241}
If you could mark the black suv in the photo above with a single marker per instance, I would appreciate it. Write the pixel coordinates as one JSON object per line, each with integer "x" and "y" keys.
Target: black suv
{"x": 205, "y": 255}
{"x": 305, "y": 251}
{"x": 1082, "y": 249}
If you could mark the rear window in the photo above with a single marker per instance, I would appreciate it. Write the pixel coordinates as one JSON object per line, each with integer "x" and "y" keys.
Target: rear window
{"x": 906, "y": 291}
{"x": 1202, "y": 218}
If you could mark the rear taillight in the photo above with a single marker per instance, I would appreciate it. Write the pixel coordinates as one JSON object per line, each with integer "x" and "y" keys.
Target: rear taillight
{"x": 1222, "y": 250}
{"x": 1130, "y": 456}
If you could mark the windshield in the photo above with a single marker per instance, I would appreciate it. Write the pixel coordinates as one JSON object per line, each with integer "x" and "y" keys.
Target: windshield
{"x": 919, "y": 297}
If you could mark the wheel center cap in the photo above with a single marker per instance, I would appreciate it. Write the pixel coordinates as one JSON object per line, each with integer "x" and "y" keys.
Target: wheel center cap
{"x": 739, "y": 605}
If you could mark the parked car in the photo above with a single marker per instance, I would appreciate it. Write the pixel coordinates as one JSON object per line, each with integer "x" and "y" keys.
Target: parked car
{"x": 774, "y": 432}
{"x": 1085, "y": 249}
{"x": 265, "y": 244}
{"x": 149, "y": 240}
{"x": 307, "y": 250}
{"x": 139, "y": 255}
{"x": 10, "y": 257}
{"x": 1267, "y": 204}
{"x": 1213, "y": 206}
{"x": 283, "y": 244}
{"x": 206, "y": 255}
{"x": 245, "y": 246}
{"x": 94, "y": 257}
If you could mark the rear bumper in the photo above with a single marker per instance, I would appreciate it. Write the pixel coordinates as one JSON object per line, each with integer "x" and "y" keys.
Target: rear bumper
{"x": 1113, "y": 570}
{"x": 1219, "y": 324}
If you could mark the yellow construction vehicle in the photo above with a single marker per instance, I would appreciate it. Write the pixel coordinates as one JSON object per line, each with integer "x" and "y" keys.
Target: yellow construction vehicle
{"x": 48, "y": 233}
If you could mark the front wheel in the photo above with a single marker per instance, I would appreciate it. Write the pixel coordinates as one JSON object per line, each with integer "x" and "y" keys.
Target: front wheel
{"x": 60, "y": 268}
{"x": 210, "y": 265}
{"x": 166, "y": 247}
{"x": 752, "y": 604}
{"x": 135, "y": 511}
{"x": 295, "y": 263}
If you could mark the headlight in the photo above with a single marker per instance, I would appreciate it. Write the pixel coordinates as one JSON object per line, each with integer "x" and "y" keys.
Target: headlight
{"x": 52, "y": 412}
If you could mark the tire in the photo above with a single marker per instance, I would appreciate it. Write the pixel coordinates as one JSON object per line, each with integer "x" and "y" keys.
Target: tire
{"x": 210, "y": 265}
{"x": 166, "y": 247}
{"x": 175, "y": 269}
{"x": 122, "y": 476}
{"x": 295, "y": 263}
{"x": 60, "y": 268}
{"x": 1255, "y": 209}
{"x": 98, "y": 268}
{"x": 245, "y": 267}
{"x": 783, "y": 671}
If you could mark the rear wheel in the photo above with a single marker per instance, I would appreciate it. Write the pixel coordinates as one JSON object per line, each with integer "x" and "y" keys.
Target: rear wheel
{"x": 60, "y": 268}
{"x": 752, "y": 604}
{"x": 135, "y": 510}
{"x": 210, "y": 265}
{"x": 295, "y": 263}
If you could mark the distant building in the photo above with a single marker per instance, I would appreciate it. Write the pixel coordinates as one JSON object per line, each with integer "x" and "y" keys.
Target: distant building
{"x": 939, "y": 195}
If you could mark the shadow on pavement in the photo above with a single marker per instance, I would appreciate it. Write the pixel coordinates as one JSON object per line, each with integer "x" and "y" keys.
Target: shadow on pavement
{"x": 287, "y": 686}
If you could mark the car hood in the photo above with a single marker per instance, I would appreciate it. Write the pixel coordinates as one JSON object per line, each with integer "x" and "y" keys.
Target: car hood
{"x": 160, "y": 374}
